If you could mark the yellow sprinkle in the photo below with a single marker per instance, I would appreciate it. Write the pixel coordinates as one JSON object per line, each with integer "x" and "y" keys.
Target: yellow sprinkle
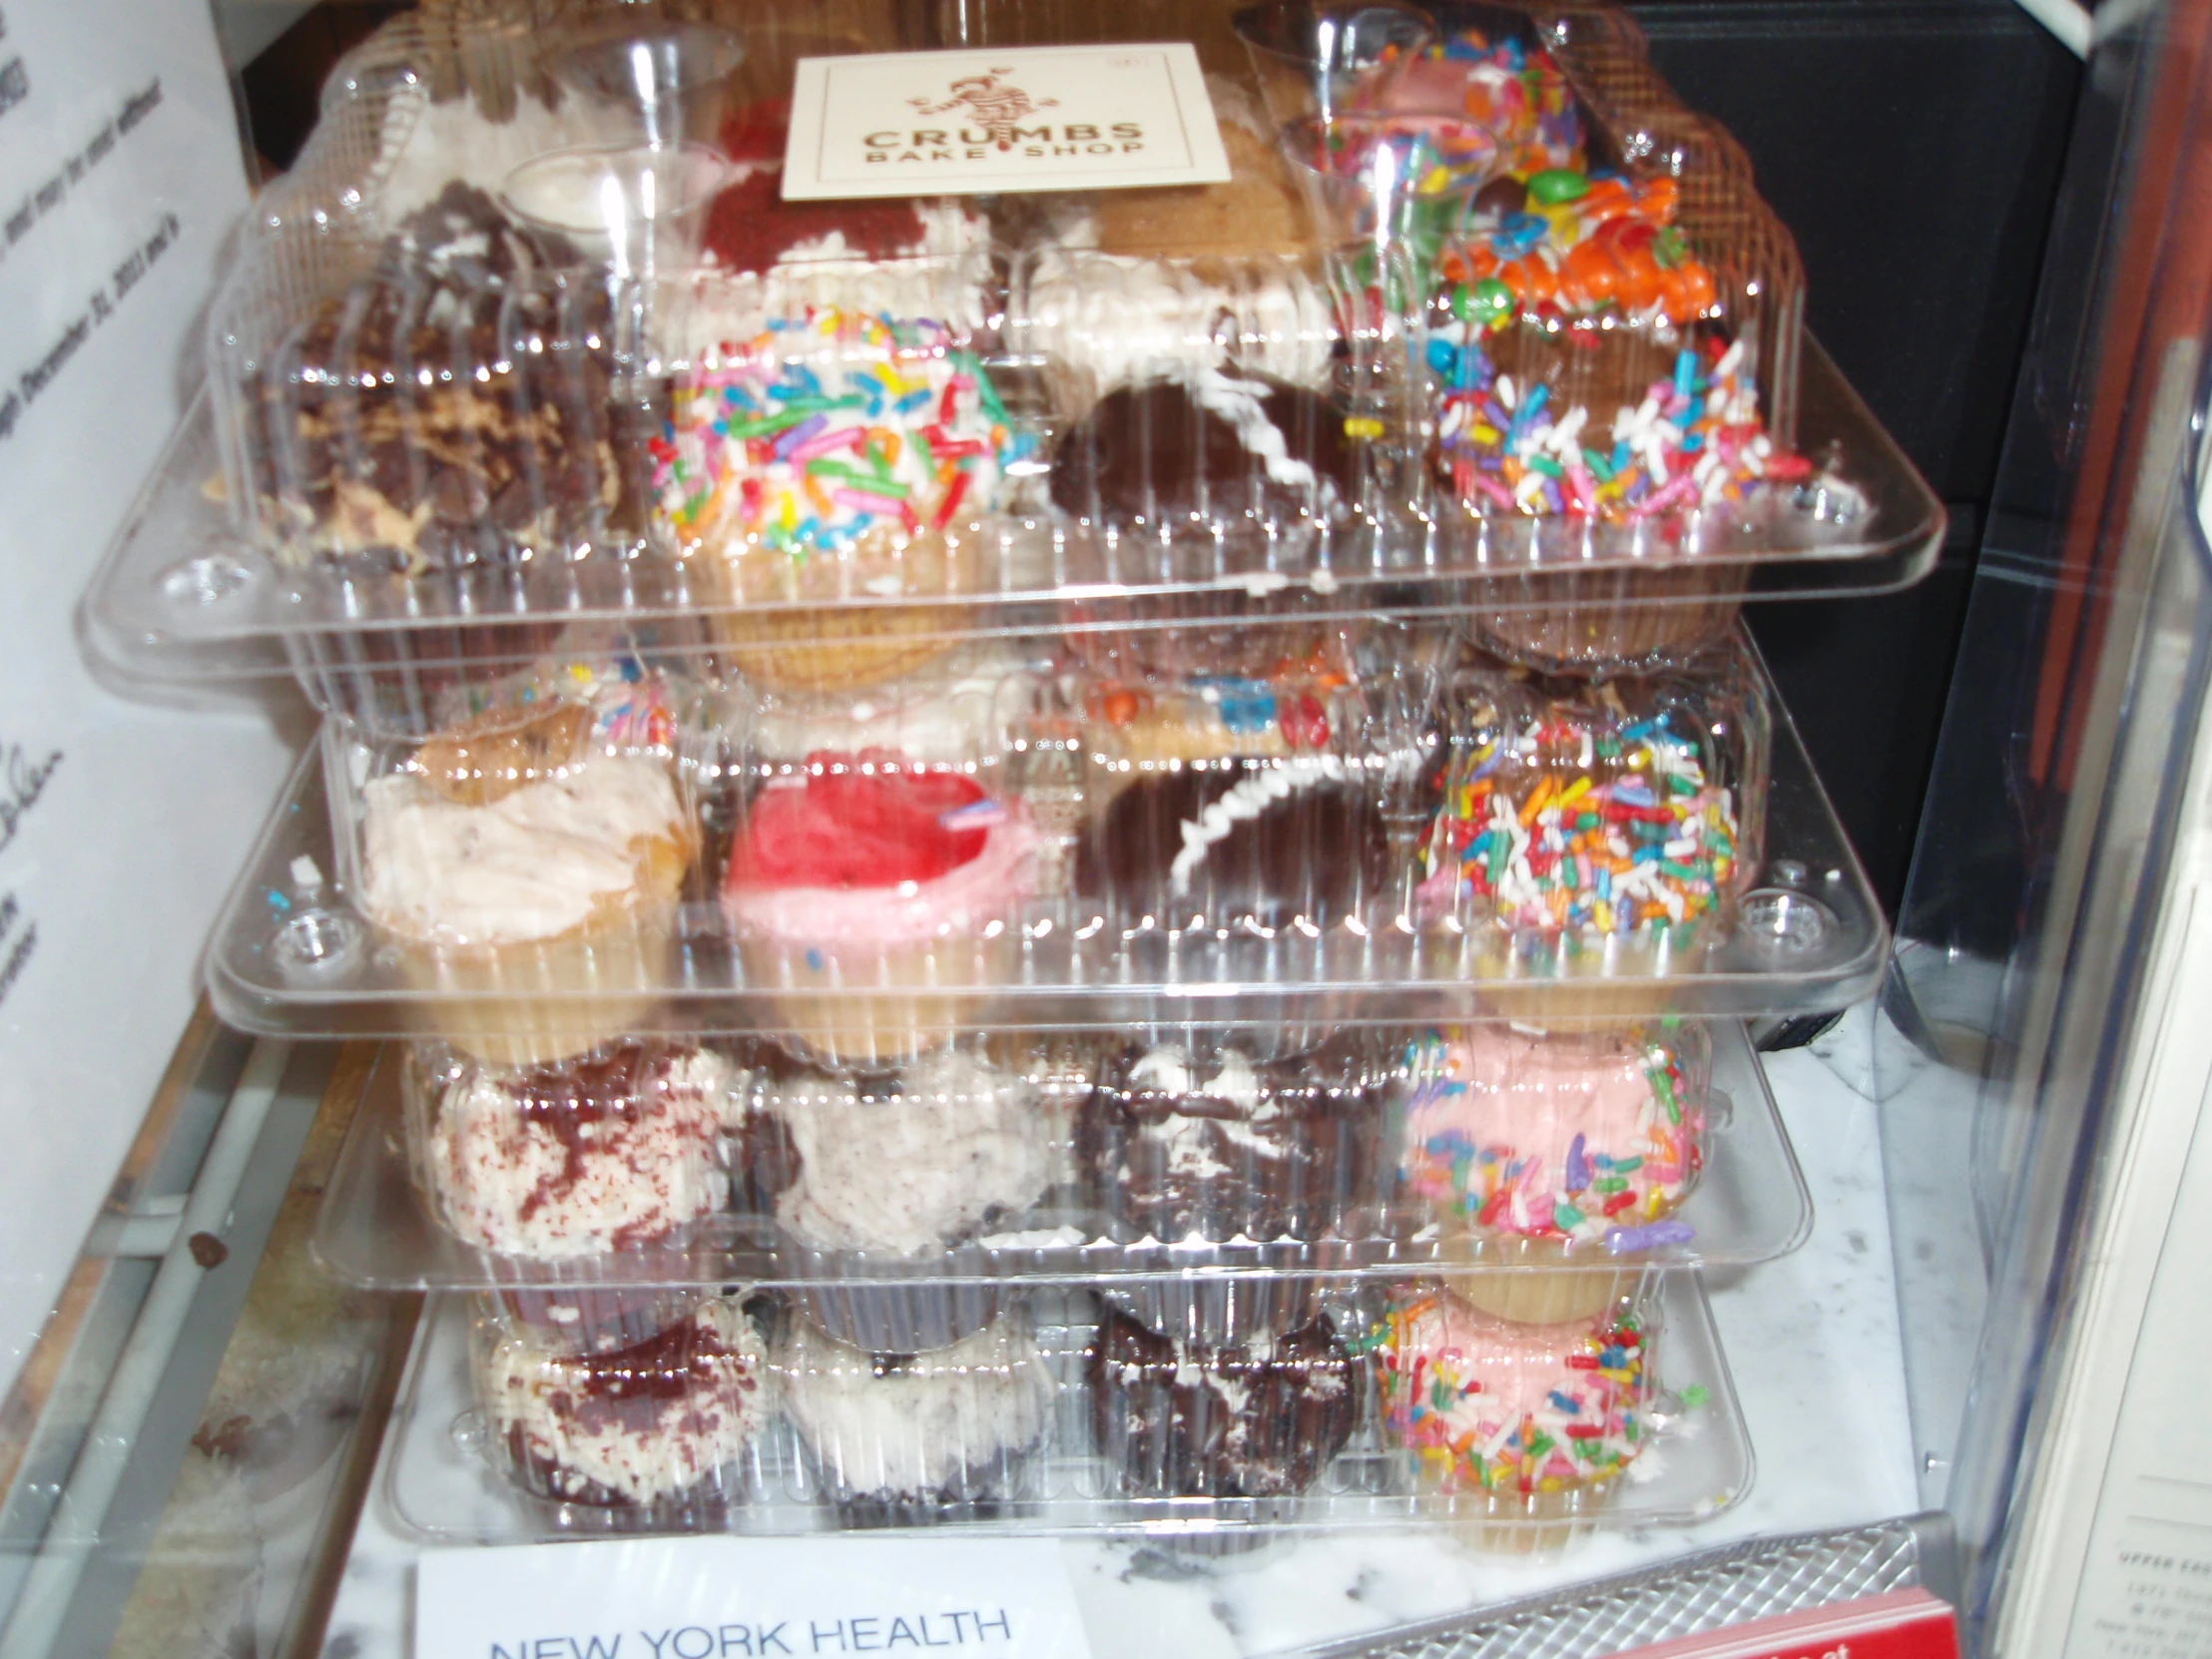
{"x": 1363, "y": 426}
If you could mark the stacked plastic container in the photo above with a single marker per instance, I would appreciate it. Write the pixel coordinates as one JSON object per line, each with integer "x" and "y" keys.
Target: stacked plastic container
{"x": 1077, "y": 863}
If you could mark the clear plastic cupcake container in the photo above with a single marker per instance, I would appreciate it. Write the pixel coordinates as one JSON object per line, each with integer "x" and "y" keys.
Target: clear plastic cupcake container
{"x": 659, "y": 1435}
{"x": 453, "y": 415}
{"x": 1052, "y": 1421}
{"x": 1586, "y": 829}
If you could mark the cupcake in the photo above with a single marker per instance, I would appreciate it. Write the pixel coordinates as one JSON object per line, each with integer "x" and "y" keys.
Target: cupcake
{"x": 664, "y": 1425}
{"x": 1193, "y": 1136}
{"x": 889, "y": 1175}
{"x": 974, "y": 703}
{"x": 526, "y": 866}
{"x": 1526, "y": 1428}
{"x": 831, "y": 480}
{"x": 879, "y": 899}
{"x": 1258, "y": 1420}
{"x": 1553, "y": 1151}
{"x": 1150, "y": 724}
{"x": 1270, "y": 857}
{"x": 1595, "y": 830}
{"x": 622, "y": 1148}
{"x": 1207, "y": 1139}
{"x": 904, "y": 1440}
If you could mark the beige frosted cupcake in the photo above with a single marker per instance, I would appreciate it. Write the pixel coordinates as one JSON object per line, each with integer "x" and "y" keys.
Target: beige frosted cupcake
{"x": 528, "y": 865}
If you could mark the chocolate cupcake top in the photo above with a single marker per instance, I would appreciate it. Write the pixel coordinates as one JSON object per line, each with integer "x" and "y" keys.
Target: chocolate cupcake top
{"x": 1261, "y": 1420}
{"x": 1183, "y": 1139}
{"x": 1241, "y": 843}
{"x": 1209, "y": 446}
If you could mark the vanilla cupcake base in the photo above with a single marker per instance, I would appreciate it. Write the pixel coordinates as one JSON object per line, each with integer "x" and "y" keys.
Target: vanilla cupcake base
{"x": 1544, "y": 1290}
{"x": 879, "y": 1005}
{"x": 536, "y": 1002}
{"x": 1529, "y": 1524}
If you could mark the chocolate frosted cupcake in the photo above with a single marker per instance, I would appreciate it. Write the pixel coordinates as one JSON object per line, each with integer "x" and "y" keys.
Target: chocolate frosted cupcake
{"x": 663, "y": 1425}
{"x": 1254, "y": 1420}
{"x": 1202, "y": 451}
{"x": 436, "y": 437}
{"x": 904, "y": 1440}
{"x": 1195, "y": 1136}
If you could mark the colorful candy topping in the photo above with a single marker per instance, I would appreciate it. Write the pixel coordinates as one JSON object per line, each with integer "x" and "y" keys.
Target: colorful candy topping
{"x": 1520, "y": 95}
{"x": 1245, "y": 706}
{"x": 1594, "y": 1194}
{"x": 824, "y": 430}
{"x": 871, "y": 819}
{"x": 1517, "y": 1418}
{"x": 1578, "y": 245}
{"x": 1578, "y": 824}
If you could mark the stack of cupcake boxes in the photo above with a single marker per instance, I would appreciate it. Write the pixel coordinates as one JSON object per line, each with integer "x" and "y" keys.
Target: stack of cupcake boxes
{"x": 1056, "y": 862}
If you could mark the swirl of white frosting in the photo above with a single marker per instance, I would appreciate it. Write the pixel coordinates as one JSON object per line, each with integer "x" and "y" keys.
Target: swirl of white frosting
{"x": 1244, "y": 800}
{"x": 528, "y": 866}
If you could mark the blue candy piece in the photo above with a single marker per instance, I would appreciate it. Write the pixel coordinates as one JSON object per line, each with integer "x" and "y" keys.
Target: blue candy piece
{"x": 1517, "y": 233}
{"x": 1444, "y": 356}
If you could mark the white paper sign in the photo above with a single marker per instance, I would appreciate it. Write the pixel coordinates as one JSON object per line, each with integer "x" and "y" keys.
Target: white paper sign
{"x": 121, "y": 826}
{"x": 965, "y": 122}
{"x": 750, "y": 1598}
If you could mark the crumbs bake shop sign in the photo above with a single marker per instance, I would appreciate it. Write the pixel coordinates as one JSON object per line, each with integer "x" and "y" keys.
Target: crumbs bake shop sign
{"x": 1026, "y": 119}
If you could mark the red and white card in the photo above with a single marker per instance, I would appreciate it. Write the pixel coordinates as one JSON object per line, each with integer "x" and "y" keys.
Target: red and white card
{"x": 1902, "y": 1624}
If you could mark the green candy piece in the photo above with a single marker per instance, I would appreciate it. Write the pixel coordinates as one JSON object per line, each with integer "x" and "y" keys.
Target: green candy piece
{"x": 1462, "y": 302}
{"x": 1557, "y": 185}
{"x": 1492, "y": 299}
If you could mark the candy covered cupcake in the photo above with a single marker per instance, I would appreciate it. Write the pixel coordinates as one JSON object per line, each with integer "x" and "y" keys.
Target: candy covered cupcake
{"x": 1595, "y": 830}
{"x": 1555, "y": 1149}
{"x": 878, "y": 898}
{"x": 831, "y": 480}
{"x": 1528, "y": 1428}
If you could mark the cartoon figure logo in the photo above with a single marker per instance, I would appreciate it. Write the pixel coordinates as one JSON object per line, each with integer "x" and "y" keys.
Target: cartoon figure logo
{"x": 992, "y": 101}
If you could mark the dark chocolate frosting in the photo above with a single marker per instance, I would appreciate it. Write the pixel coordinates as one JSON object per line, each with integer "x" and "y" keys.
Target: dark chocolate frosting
{"x": 1213, "y": 1143}
{"x": 1156, "y": 454}
{"x": 1315, "y": 855}
{"x": 1259, "y": 1420}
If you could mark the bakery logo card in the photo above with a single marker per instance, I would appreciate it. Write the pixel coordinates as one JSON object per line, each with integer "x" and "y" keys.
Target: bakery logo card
{"x": 967, "y": 123}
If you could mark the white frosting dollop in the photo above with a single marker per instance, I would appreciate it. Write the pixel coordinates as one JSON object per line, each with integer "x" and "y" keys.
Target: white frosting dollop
{"x": 528, "y": 866}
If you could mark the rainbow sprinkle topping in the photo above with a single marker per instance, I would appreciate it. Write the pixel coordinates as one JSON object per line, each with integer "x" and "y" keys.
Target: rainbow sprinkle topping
{"x": 1573, "y": 823}
{"x": 822, "y": 430}
{"x": 1611, "y": 1194}
{"x": 1587, "y": 1427}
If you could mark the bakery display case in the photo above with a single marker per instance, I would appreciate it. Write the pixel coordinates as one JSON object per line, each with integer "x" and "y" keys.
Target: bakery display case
{"x": 995, "y": 851}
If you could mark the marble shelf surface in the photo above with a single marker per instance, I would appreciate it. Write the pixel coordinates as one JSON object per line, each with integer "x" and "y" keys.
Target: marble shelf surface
{"x": 1813, "y": 1344}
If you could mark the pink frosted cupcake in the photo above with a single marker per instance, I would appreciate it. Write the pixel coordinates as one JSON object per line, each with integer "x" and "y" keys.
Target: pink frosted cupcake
{"x": 1528, "y": 1428}
{"x": 1556, "y": 1150}
{"x": 881, "y": 898}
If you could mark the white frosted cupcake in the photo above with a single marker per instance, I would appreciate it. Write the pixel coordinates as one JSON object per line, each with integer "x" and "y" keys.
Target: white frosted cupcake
{"x": 911, "y": 1439}
{"x": 620, "y": 1149}
{"x": 527, "y": 865}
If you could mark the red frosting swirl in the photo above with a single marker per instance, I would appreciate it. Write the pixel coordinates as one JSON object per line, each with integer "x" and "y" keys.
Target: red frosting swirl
{"x": 865, "y": 821}
{"x": 749, "y": 225}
